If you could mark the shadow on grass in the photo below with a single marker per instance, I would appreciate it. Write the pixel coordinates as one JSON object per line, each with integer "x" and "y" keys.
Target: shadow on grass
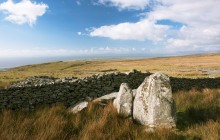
{"x": 194, "y": 116}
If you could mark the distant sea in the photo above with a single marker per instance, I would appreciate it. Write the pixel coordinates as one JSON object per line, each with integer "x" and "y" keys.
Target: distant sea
{"x": 6, "y": 63}
{"x": 16, "y": 62}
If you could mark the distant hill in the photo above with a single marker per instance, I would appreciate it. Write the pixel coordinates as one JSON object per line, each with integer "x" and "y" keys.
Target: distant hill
{"x": 201, "y": 65}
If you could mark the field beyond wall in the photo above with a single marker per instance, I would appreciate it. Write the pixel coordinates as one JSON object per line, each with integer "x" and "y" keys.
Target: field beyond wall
{"x": 182, "y": 66}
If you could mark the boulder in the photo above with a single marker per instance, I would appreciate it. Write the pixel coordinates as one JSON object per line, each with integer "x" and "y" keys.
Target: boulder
{"x": 77, "y": 108}
{"x": 153, "y": 104}
{"x": 124, "y": 101}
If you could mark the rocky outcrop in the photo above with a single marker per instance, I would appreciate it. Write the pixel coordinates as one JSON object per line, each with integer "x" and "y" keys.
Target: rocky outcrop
{"x": 124, "y": 101}
{"x": 153, "y": 103}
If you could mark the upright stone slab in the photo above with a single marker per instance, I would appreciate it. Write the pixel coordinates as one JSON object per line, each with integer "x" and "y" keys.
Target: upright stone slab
{"x": 124, "y": 101}
{"x": 153, "y": 104}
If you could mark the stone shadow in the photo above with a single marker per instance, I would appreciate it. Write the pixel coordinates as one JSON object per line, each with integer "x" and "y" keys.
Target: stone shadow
{"x": 194, "y": 116}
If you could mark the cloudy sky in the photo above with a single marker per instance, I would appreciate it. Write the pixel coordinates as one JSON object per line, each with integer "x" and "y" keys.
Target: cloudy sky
{"x": 46, "y": 28}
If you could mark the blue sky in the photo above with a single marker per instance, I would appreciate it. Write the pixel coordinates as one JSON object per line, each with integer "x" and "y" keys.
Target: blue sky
{"x": 100, "y": 28}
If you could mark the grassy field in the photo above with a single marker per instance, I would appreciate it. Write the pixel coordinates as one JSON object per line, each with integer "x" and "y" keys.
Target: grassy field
{"x": 183, "y": 66}
{"x": 198, "y": 114}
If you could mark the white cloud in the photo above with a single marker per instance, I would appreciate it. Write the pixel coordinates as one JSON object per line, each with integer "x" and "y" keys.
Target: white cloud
{"x": 126, "y": 4}
{"x": 203, "y": 12}
{"x": 78, "y": 3}
{"x": 23, "y": 12}
{"x": 141, "y": 30}
{"x": 79, "y": 33}
{"x": 200, "y": 30}
{"x": 202, "y": 19}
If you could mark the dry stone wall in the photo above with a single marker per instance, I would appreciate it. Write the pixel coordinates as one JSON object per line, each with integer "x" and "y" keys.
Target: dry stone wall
{"x": 35, "y": 91}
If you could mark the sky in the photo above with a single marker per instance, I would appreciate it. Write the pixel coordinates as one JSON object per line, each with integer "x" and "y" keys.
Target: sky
{"x": 41, "y": 29}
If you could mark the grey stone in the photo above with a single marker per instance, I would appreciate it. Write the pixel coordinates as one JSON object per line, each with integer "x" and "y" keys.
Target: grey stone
{"x": 107, "y": 97}
{"x": 153, "y": 104}
{"x": 124, "y": 101}
{"x": 134, "y": 92}
{"x": 77, "y": 108}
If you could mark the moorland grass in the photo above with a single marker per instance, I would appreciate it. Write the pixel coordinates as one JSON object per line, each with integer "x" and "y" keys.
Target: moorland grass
{"x": 198, "y": 114}
{"x": 182, "y": 66}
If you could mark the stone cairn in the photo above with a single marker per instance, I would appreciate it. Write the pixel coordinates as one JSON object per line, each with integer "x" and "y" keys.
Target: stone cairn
{"x": 151, "y": 105}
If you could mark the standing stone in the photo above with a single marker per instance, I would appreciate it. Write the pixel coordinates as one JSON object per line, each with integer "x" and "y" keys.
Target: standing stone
{"x": 153, "y": 104}
{"x": 124, "y": 101}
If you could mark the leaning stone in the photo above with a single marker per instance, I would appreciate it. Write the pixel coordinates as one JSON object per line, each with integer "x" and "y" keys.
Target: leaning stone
{"x": 77, "y": 108}
{"x": 153, "y": 104}
{"x": 123, "y": 102}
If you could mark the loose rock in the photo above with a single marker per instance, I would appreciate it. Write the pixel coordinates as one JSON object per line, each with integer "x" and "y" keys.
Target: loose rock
{"x": 106, "y": 98}
{"x": 77, "y": 108}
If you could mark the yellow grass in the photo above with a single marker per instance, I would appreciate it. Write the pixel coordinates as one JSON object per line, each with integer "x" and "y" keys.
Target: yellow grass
{"x": 198, "y": 114}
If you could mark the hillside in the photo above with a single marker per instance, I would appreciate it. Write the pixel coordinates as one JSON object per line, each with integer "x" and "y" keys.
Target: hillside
{"x": 207, "y": 65}
{"x": 197, "y": 100}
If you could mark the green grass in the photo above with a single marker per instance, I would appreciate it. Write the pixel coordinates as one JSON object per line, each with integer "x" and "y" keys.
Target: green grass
{"x": 198, "y": 115}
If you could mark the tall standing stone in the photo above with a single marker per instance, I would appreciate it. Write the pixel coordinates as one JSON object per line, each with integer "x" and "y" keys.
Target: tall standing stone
{"x": 124, "y": 101}
{"x": 153, "y": 104}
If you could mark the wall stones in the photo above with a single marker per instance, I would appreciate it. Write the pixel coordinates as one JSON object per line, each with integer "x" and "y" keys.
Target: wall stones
{"x": 36, "y": 91}
{"x": 45, "y": 90}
